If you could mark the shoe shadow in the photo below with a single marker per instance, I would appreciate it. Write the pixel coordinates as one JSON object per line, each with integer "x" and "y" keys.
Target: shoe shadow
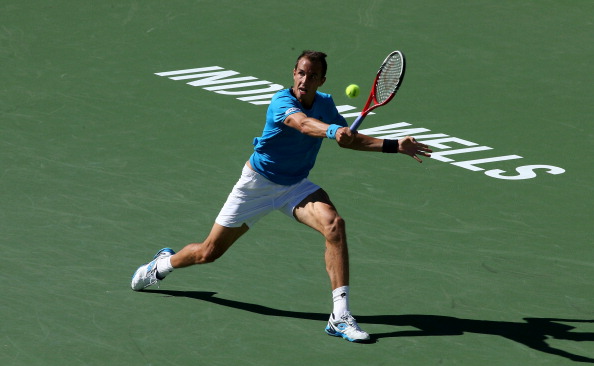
{"x": 532, "y": 332}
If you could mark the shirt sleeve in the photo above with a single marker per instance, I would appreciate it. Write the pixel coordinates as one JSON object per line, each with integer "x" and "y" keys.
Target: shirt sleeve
{"x": 282, "y": 107}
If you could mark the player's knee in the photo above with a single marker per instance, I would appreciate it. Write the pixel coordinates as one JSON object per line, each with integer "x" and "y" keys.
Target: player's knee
{"x": 211, "y": 255}
{"x": 205, "y": 253}
{"x": 334, "y": 229}
{"x": 205, "y": 258}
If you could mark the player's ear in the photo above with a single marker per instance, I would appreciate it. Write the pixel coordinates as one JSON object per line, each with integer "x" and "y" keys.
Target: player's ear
{"x": 323, "y": 81}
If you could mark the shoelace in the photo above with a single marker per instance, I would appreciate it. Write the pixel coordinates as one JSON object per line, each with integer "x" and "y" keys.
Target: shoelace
{"x": 152, "y": 275}
{"x": 350, "y": 320}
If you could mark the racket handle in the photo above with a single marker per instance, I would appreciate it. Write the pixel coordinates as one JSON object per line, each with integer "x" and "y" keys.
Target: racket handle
{"x": 357, "y": 122}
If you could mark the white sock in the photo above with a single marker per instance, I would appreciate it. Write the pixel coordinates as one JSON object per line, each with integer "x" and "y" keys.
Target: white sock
{"x": 340, "y": 297}
{"x": 164, "y": 267}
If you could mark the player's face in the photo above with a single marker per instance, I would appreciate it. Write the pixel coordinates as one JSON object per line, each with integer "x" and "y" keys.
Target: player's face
{"x": 307, "y": 78}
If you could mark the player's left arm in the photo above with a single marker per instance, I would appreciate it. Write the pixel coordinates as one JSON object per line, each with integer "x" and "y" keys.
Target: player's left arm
{"x": 407, "y": 145}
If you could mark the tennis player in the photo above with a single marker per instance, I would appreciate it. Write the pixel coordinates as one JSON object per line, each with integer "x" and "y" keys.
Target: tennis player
{"x": 275, "y": 178}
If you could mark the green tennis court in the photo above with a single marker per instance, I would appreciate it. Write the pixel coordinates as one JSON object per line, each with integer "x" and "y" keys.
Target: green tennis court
{"x": 482, "y": 255}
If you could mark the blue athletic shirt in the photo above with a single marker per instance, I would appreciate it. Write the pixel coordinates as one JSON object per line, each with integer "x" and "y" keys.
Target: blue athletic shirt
{"x": 283, "y": 154}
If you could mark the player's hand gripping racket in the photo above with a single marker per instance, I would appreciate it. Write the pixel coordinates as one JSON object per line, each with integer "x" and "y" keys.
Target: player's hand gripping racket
{"x": 387, "y": 81}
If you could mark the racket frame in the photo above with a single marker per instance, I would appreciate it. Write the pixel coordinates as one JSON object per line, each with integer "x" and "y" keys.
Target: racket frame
{"x": 372, "y": 94}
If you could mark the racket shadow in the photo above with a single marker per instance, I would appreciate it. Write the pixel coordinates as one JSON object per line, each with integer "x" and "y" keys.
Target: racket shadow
{"x": 531, "y": 332}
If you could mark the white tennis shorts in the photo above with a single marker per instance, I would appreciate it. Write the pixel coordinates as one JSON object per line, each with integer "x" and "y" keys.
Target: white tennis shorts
{"x": 254, "y": 196}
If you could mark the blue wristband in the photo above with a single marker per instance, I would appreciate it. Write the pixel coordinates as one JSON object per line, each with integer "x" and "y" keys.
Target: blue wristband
{"x": 331, "y": 131}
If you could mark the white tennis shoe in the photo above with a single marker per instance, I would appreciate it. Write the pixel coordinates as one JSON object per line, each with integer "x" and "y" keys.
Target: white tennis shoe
{"x": 346, "y": 327}
{"x": 146, "y": 275}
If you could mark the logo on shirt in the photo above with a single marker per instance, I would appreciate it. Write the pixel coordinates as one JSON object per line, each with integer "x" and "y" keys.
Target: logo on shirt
{"x": 292, "y": 110}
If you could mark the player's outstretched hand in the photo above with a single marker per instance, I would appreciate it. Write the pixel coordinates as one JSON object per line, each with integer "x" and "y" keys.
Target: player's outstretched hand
{"x": 409, "y": 146}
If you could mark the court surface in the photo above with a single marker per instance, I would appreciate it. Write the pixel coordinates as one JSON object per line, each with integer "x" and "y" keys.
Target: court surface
{"x": 481, "y": 255}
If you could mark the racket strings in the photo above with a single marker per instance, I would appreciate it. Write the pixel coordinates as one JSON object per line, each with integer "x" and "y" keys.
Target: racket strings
{"x": 389, "y": 78}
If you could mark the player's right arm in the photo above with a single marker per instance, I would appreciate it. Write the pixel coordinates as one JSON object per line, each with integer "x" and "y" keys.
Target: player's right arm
{"x": 316, "y": 128}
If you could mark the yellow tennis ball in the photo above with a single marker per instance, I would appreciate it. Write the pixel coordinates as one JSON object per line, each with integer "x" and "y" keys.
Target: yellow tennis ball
{"x": 352, "y": 91}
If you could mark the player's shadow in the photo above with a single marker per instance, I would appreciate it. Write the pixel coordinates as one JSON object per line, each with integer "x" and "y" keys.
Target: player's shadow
{"x": 532, "y": 332}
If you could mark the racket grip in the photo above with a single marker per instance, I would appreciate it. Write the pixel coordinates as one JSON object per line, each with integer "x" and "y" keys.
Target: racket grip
{"x": 357, "y": 122}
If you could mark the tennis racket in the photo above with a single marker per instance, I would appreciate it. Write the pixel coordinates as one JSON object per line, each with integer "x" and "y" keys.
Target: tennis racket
{"x": 387, "y": 81}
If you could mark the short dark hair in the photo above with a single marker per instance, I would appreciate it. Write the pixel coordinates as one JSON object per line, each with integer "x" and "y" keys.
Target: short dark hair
{"x": 314, "y": 56}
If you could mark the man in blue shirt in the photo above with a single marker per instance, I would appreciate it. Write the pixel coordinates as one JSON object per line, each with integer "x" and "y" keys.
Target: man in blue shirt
{"x": 283, "y": 154}
{"x": 275, "y": 178}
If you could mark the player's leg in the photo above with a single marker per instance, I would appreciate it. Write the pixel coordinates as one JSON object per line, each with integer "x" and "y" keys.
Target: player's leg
{"x": 319, "y": 213}
{"x": 166, "y": 260}
{"x": 240, "y": 211}
{"x": 213, "y": 247}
